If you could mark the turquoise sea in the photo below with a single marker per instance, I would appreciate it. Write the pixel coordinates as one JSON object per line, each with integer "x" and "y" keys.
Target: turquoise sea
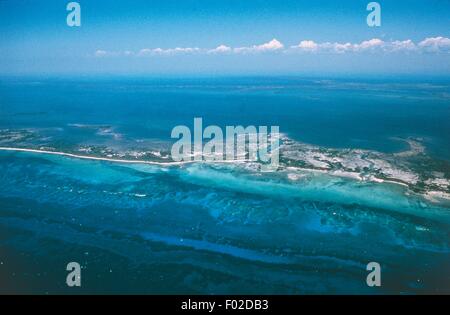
{"x": 364, "y": 177}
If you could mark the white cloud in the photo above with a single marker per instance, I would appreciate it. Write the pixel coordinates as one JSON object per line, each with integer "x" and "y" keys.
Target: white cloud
{"x": 220, "y": 49}
{"x": 169, "y": 51}
{"x": 145, "y": 52}
{"x": 307, "y": 45}
{"x": 273, "y": 45}
{"x": 311, "y": 46}
{"x": 338, "y": 48}
{"x": 342, "y": 48}
{"x": 431, "y": 45}
{"x": 435, "y": 44}
{"x": 101, "y": 53}
{"x": 405, "y": 45}
{"x": 371, "y": 44}
{"x": 181, "y": 50}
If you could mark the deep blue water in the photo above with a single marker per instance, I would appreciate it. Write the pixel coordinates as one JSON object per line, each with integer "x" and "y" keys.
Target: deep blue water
{"x": 330, "y": 113}
{"x": 218, "y": 228}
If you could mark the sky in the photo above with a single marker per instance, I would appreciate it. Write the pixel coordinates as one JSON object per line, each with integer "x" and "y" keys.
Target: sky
{"x": 225, "y": 37}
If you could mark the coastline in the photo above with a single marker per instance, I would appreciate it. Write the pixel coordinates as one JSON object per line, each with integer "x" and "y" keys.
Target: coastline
{"x": 105, "y": 159}
{"x": 349, "y": 175}
{"x": 431, "y": 195}
{"x": 95, "y": 158}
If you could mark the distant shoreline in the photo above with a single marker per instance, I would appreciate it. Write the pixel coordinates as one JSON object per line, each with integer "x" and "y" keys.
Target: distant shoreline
{"x": 105, "y": 159}
{"x": 95, "y": 158}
